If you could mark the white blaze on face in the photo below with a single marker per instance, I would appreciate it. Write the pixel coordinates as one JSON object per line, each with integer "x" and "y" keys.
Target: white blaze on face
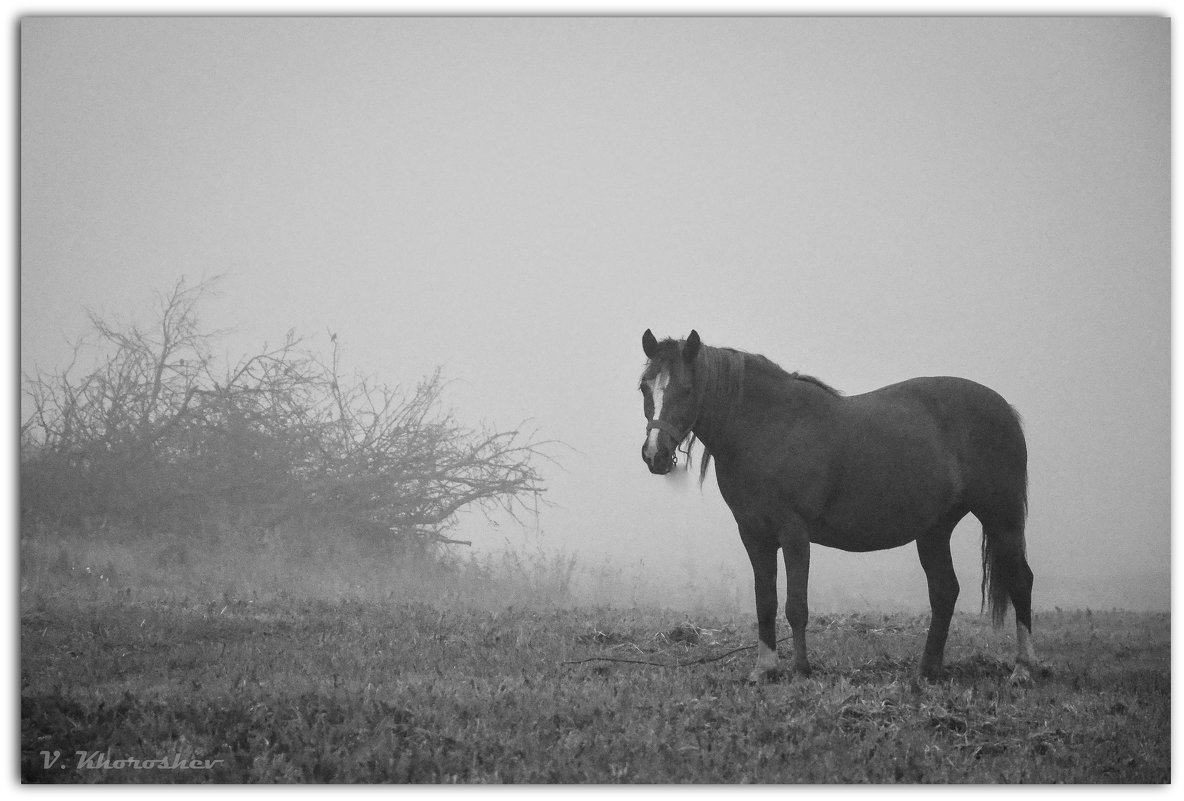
{"x": 657, "y": 391}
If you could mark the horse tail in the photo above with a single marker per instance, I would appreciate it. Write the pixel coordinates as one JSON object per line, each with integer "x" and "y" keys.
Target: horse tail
{"x": 1006, "y": 575}
{"x": 995, "y": 586}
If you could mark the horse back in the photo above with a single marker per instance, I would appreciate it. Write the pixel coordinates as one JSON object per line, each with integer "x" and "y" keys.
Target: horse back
{"x": 968, "y": 429}
{"x": 876, "y": 470}
{"x": 912, "y": 454}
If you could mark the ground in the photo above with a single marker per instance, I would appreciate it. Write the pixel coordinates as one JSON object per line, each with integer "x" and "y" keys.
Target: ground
{"x": 288, "y": 689}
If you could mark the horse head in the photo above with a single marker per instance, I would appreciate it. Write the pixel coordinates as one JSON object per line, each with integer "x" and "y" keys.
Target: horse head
{"x": 668, "y": 391}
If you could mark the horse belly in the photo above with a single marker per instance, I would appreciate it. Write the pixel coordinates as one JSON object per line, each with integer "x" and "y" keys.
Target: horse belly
{"x": 888, "y": 503}
{"x": 870, "y": 532}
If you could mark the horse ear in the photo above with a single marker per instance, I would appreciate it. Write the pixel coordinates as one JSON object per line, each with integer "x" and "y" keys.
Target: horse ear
{"x": 649, "y": 344}
{"x": 691, "y": 349}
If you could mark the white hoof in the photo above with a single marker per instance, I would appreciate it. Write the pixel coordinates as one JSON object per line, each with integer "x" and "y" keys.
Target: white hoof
{"x": 1020, "y": 676}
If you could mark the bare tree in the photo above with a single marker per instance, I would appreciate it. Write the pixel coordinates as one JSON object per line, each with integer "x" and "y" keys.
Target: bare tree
{"x": 160, "y": 436}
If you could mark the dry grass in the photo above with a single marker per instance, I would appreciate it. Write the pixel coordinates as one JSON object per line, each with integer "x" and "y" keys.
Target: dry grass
{"x": 460, "y": 676}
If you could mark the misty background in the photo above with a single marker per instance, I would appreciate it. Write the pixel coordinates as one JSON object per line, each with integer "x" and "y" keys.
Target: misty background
{"x": 517, "y": 200}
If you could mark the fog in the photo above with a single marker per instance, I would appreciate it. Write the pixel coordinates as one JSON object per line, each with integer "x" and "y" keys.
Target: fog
{"x": 517, "y": 200}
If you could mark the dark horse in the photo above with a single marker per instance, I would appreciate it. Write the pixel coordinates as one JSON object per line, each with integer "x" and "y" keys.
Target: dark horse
{"x": 797, "y": 463}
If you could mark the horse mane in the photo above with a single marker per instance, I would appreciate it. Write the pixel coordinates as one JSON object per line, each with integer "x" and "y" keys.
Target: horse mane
{"x": 719, "y": 382}
{"x": 818, "y": 382}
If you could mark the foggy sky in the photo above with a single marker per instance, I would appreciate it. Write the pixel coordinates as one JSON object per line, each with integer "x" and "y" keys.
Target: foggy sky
{"x": 517, "y": 200}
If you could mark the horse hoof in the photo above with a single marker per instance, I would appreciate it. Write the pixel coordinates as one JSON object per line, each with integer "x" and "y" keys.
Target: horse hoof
{"x": 1024, "y": 673}
{"x": 764, "y": 675}
{"x": 1020, "y": 676}
{"x": 930, "y": 673}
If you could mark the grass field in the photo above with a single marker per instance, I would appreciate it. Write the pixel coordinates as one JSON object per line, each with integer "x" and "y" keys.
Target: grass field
{"x": 442, "y": 681}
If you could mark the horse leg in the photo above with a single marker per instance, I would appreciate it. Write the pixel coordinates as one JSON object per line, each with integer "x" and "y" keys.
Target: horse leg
{"x": 764, "y": 575}
{"x": 1021, "y": 600}
{"x": 795, "y": 550}
{"x": 934, "y": 550}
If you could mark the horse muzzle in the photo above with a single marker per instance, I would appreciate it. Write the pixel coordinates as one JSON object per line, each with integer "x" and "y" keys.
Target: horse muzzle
{"x": 660, "y": 462}
{"x": 658, "y": 452}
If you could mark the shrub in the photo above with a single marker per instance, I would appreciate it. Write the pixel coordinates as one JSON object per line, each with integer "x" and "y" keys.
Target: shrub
{"x": 159, "y": 437}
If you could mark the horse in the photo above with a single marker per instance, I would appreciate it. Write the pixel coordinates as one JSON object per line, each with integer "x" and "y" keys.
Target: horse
{"x": 798, "y": 462}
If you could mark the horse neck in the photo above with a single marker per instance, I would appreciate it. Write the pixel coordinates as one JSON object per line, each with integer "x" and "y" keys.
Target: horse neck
{"x": 765, "y": 400}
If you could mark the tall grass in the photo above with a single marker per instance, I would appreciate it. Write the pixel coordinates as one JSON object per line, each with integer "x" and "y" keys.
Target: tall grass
{"x": 296, "y": 566}
{"x": 307, "y": 565}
